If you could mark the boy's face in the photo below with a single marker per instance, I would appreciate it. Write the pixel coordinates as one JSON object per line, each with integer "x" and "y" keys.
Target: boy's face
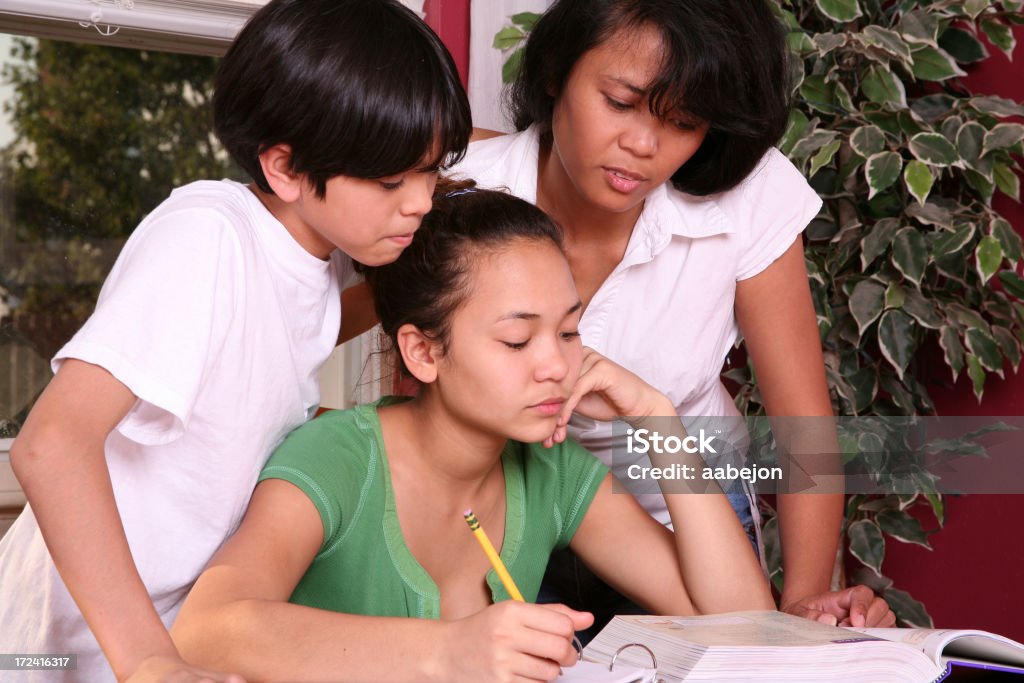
{"x": 370, "y": 220}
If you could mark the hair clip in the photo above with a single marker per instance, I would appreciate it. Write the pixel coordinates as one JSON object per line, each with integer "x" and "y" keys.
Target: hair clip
{"x": 456, "y": 193}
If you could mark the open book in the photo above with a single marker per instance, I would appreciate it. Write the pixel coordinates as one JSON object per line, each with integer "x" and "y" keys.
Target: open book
{"x": 772, "y": 646}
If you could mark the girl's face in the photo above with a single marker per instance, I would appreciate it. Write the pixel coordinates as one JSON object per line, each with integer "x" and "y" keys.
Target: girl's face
{"x": 613, "y": 150}
{"x": 514, "y": 349}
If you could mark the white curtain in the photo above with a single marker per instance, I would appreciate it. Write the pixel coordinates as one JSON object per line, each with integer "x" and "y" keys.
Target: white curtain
{"x": 487, "y": 17}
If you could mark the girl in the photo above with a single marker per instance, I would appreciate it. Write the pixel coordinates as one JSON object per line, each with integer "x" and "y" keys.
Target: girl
{"x": 360, "y": 512}
{"x": 204, "y": 348}
{"x": 646, "y": 131}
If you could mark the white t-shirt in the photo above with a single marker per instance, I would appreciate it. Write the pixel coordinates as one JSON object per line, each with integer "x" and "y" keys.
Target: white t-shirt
{"x": 667, "y": 310}
{"x": 218, "y": 321}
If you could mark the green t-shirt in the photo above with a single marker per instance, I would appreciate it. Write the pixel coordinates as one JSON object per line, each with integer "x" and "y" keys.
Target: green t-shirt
{"x": 364, "y": 565}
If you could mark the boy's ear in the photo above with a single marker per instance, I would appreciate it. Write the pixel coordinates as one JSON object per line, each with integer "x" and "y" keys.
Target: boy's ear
{"x": 276, "y": 162}
{"x": 420, "y": 353}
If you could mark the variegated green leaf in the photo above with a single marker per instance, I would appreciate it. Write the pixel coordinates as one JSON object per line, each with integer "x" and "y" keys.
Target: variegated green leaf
{"x": 933, "y": 107}
{"x": 795, "y": 129}
{"x": 987, "y": 257}
{"x": 1008, "y": 238}
{"x": 962, "y": 45}
{"x": 920, "y": 309}
{"x": 895, "y": 295}
{"x": 975, "y": 7}
{"x": 953, "y": 349}
{"x": 982, "y": 345}
{"x": 982, "y": 185}
{"x": 881, "y": 171}
{"x": 811, "y": 143}
{"x": 867, "y": 140}
{"x": 910, "y": 254}
{"x": 1000, "y": 35}
{"x": 920, "y": 26}
{"x": 997, "y": 106}
{"x": 880, "y": 85}
{"x": 826, "y": 42}
{"x": 866, "y": 303}
{"x": 969, "y": 141}
{"x": 931, "y": 213}
{"x": 1012, "y": 283}
{"x": 839, "y": 10}
{"x": 952, "y": 242}
{"x": 867, "y": 543}
{"x": 1007, "y": 181}
{"x": 823, "y": 157}
{"x": 938, "y": 507}
{"x": 1002, "y": 136}
{"x": 977, "y": 375}
{"x": 896, "y": 339}
{"x": 918, "y": 178}
{"x": 799, "y": 43}
{"x": 934, "y": 149}
{"x": 888, "y": 40}
{"x": 934, "y": 64}
{"x": 877, "y": 241}
{"x": 901, "y": 526}
{"x": 1008, "y": 345}
{"x": 908, "y": 611}
{"x": 842, "y": 97}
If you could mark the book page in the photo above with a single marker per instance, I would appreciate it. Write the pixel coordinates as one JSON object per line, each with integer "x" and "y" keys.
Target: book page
{"x": 954, "y": 642}
{"x": 748, "y": 629}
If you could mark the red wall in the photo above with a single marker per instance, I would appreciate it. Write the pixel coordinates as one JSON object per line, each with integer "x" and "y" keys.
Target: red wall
{"x": 974, "y": 577}
{"x": 450, "y": 20}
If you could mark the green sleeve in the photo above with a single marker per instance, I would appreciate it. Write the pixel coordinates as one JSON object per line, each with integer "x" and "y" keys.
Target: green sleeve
{"x": 581, "y": 475}
{"x": 328, "y": 459}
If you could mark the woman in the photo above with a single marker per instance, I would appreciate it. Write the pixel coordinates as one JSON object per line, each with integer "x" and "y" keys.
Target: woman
{"x": 646, "y": 130}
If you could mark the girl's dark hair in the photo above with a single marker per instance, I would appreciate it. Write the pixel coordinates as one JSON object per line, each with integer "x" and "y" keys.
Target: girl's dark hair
{"x": 429, "y": 281}
{"x": 725, "y": 62}
{"x": 360, "y": 88}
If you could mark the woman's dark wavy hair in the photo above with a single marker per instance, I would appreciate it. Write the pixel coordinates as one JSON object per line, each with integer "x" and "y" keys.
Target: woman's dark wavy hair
{"x": 725, "y": 62}
{"x": 361, "y": 88}
{"x": 429, "y": 281}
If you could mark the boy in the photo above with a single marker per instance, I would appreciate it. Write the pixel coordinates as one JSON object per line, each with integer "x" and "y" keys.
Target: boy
{"x": 139, "y": 458}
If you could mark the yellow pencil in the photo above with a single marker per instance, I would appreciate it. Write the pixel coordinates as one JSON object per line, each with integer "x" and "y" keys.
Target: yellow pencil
{"x": 492, "y": 555}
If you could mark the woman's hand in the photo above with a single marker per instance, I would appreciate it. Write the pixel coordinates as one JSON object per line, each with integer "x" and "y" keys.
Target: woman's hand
{"x": 606, "y": 390}
{"x": 512, "y": 641}
{"x": 857, "y": 606}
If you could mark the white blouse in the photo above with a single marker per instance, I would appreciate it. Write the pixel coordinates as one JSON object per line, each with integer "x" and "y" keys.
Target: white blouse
{"x": 666, "y": 312}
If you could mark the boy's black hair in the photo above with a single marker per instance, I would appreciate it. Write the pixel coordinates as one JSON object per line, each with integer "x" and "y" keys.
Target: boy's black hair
{"x": 725, "y": 63}
{"x": 361, "y": 88}
{"x": 429, "y": 281}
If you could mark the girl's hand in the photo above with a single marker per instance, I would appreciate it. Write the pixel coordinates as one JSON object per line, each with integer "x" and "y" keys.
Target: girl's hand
{"x": 606, "y": 390}
{"x": 158, "y": 669}
{"x": 512, "y": 641}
